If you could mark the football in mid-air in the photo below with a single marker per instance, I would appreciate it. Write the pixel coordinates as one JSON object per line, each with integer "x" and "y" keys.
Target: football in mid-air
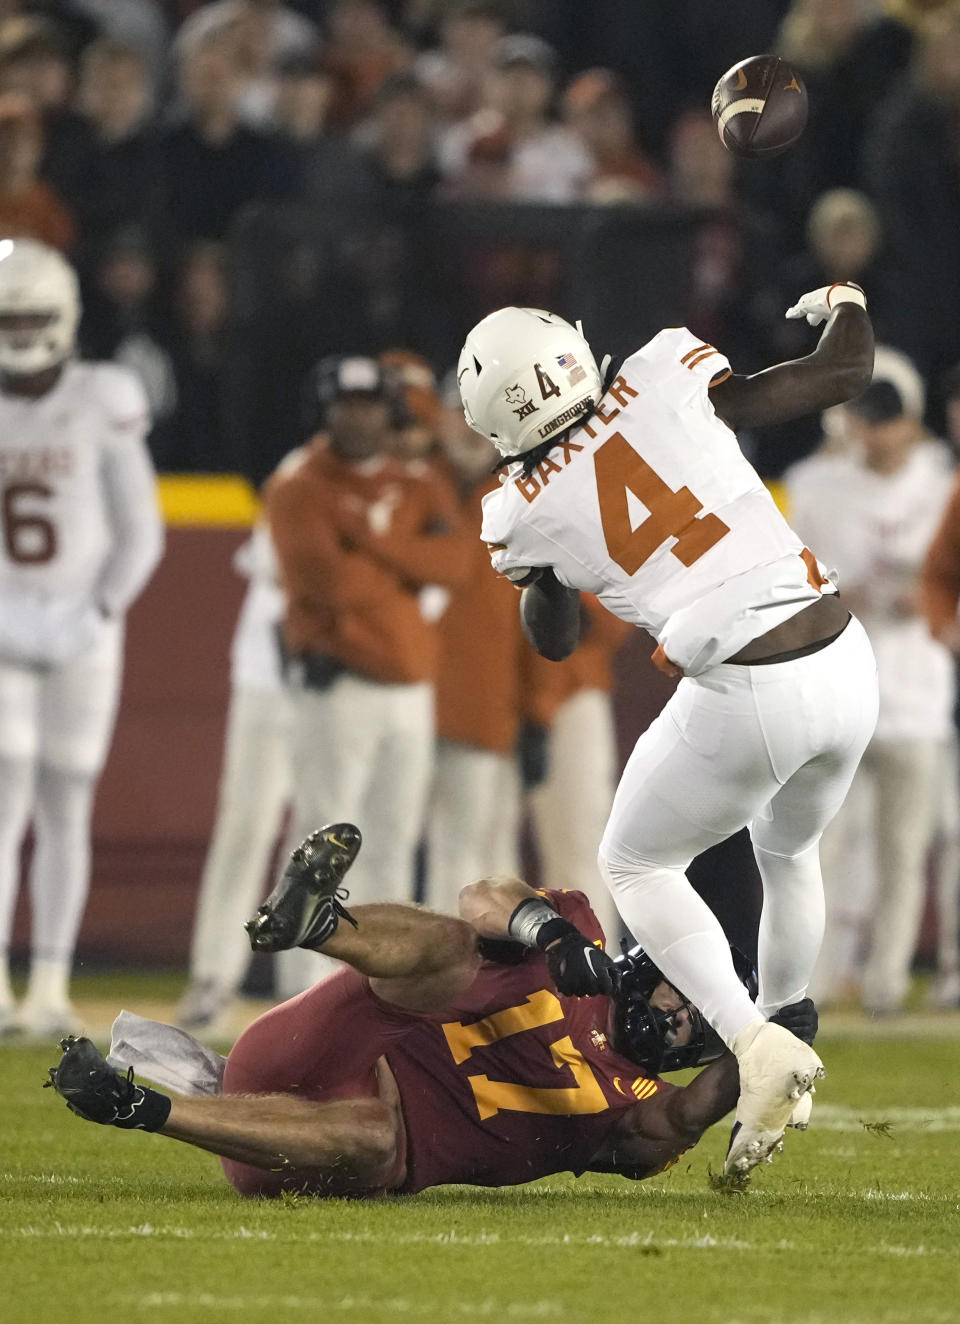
{"x": 760, "y": 107}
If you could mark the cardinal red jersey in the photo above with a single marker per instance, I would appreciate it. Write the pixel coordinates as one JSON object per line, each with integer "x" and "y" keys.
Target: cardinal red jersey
{"x": 511, "y": 1083}
{"x": 516, "y": 1081}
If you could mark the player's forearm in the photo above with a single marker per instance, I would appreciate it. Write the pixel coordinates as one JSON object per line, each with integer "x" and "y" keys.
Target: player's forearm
{"x": 136, "y": 526}
{"x": 839, "y": 368}
{"x": 488, "y": 904}
{"x": 550, "y": 615}
{"x": 707, "y": 1099}
{"x": 137, "y": 551}
{"x": 328, "y": 581}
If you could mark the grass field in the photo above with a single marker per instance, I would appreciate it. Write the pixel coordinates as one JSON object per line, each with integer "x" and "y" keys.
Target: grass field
{"x": 856, "y": 1221}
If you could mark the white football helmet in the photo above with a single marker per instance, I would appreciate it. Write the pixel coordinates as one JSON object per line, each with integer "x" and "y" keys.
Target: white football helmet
{"x": 36, "y": 283}
{"x": 526, "y": 375}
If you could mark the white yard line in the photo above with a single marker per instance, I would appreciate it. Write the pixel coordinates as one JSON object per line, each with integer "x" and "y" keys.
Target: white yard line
{"x": 648, "y": 1243}
{"x": 378, "y": 1307}
{"x": 909, "y": 1025}
{"x": 840, "y": 1117}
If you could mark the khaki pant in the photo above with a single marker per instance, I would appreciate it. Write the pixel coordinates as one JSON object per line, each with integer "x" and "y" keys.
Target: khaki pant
{"x": 362, "y": 753}
{"x": 570, "y": 809}
{"x": 474, "y": 815}
{"x": 255, "y": 787}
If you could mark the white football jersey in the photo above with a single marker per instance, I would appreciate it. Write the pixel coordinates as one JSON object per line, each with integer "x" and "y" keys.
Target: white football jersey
{"x": 80, "y": 530}
{"x": 653, "y": 507}
{"x": 876, "y": 528}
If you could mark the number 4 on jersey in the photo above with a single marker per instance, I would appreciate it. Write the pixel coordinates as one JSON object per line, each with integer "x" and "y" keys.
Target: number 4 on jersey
{"x": 620, "y": 469}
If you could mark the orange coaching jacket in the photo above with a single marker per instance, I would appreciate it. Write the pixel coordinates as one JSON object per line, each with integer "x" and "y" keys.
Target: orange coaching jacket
{"x": 355, "y": 542}
{"x": 478, "y": 684}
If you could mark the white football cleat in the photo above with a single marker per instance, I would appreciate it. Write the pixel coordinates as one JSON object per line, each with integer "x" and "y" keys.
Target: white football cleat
{"x": 776, "y": 1070}
{"x": 800, "y": 1117}
{"x": 205, "y": 1003}
{"x": 8, "y": 1018}
{"x": 945, "y": 993}
{"x": 41, "y": 1020}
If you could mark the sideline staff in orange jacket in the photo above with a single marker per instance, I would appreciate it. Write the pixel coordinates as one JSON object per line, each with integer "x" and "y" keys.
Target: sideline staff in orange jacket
{"x": 358, "y": 536}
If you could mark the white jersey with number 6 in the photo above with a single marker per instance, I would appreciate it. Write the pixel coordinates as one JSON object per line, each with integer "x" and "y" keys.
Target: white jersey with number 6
{"x": 80, "y": 531}
{"x": 653, "y": 507}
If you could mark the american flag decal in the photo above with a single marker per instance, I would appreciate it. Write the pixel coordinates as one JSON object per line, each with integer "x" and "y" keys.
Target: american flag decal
{"x": 566, "y": 361}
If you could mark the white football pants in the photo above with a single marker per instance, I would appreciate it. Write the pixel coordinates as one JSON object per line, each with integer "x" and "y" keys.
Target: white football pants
{"x": 902, "y": 783}
{"x": 255, "y": 788}
{"x": 773, "y": 748}
{"x": 474, "y": 821}
{"x": 570, "y": 809}
{"x": 362, "y": 753}
{"x": 948, "y": 866}
{"x": 55, "y": 729}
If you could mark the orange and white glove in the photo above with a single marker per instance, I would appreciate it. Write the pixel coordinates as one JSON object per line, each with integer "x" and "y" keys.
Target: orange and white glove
{"x": 817, "y": 306}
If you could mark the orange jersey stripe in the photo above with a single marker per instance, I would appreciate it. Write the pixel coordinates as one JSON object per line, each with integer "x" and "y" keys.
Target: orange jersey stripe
{"x": 699, "y": 359}
{"x": 696, "y": 350}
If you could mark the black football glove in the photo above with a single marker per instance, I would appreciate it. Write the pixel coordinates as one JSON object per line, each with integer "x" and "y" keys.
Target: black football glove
{"x": 578, "y": 967}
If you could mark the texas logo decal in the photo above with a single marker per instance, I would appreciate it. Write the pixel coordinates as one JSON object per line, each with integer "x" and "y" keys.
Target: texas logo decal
{"x": 516, "y": 395}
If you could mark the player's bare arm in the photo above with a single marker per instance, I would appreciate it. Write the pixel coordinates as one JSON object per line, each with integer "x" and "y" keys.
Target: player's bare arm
{"x": 550, "y": 615}
{"x": 488, "y": 904}
{"x": 437, "y": 551}
{"x": 838, "y": 369}
{"x": 506, "y": 909}
{"x": 660, "y": 1129}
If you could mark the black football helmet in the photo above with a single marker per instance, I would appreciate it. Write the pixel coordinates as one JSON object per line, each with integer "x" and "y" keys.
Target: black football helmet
{"x": 648, "y": 1035}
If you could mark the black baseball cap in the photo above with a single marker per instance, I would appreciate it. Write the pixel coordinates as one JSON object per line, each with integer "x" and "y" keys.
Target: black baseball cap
{"x": 881, "y": 402}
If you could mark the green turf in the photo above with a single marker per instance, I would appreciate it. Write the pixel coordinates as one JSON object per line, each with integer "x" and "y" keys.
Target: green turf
{"x": 850, "y": 1224}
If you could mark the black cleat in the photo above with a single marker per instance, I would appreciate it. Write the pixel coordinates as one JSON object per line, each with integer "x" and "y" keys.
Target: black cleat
{"x": 92, "y": 1088}
{"x": 304, "y": 908}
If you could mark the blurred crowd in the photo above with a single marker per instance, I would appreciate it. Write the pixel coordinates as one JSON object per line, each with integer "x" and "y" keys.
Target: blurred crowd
{"x": 138, "y": 136}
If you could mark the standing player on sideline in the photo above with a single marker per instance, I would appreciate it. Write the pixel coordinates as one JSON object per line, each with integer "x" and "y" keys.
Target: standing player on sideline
{"x": 633, "y": 487}
{"x": 256, "y": 784}
{"x": 81, "y": 534}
